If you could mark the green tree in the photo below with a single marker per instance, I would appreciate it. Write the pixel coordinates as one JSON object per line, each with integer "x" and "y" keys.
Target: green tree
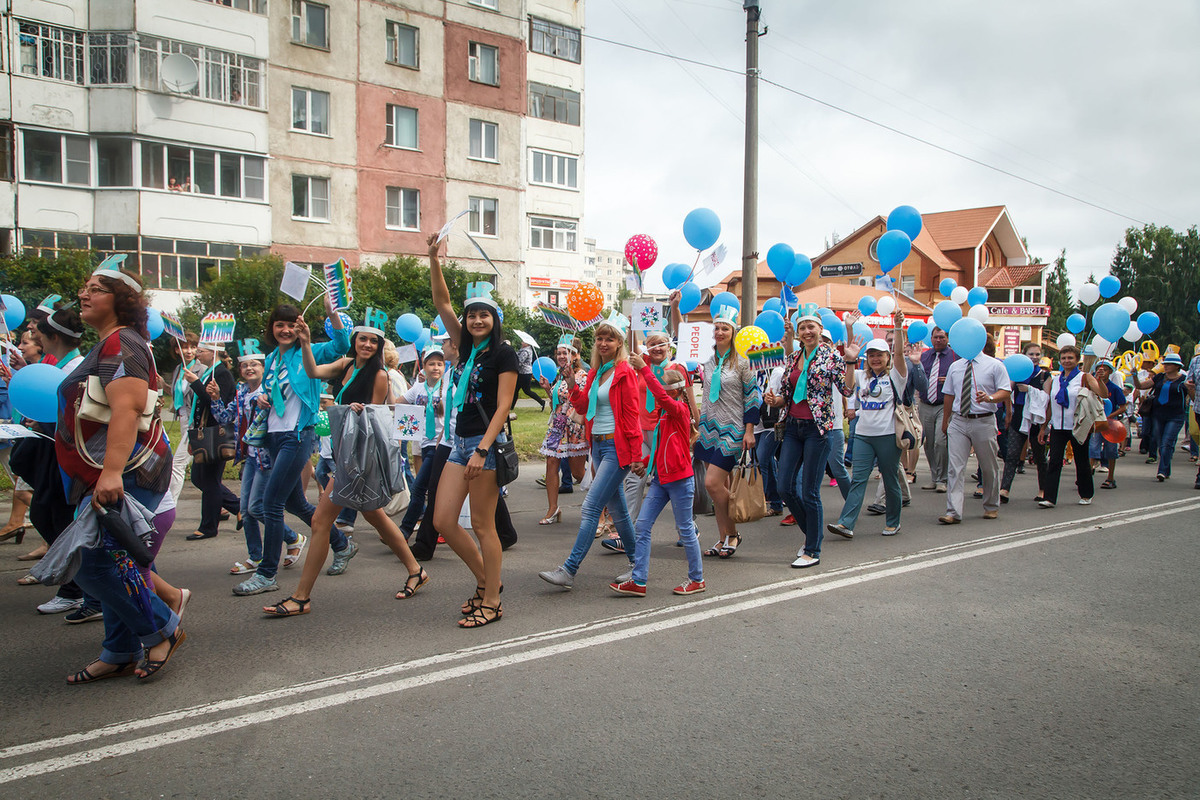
{"x": 1160, "y": 268}
{"x": 32, "y": 278}
{"x": 1058, "y": 293}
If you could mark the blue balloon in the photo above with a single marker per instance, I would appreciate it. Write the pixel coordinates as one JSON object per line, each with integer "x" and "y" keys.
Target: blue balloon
{"x": 408, "y": 327}
{"x": 836, "y": 328}
{"x": 14, "y": 314}
{"x": 801, "y": 269}
{"x": 866, "y": 305}
{"x": 1076, "y": 323}
{"x": 947, "y": 286}
{"x": 692, "y": 366}
{"x": 1147, "y": 322}
{"x": 1107, "y": 406}
{"x": 822, "y": 311}
{"x": 773, "y": 304}
{"x": 425, "y": 340}
{"x": 862, "y": 331}
{"x": 977, "y": 296}
{"x": 347, "y": 323}
{"x": 945, "y": 314}
{"x": 893, "y": 247}
{"x": 33, "y": 391}
{"x": 545, "y": 368}
{"x": 721, "y": 300}
{"x": 1020, "y": 367}
{"x": 689, "y": 297}
{"x": 772, "y": 324}
{"x": 967, "y": 337}
{"x": 1110, "y": 321}
{"x": 154, "y": 323}
{"x": 437, "y": 326}
{"x": 780, "y": 259}
{"x": 917, "y": 331}
{"x": 905, "y": 218}
{"x": 701, "y": 228}
{"x": 1109, "y": 286}
{"x": 675, "y": 275}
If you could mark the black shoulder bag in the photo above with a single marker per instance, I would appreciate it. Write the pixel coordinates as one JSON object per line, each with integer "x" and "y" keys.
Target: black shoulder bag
{"x": 505, "y": 449}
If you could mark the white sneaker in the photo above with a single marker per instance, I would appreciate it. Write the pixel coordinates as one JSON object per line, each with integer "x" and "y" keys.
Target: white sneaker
{"x": 805, "y": 561}
{"x": 59, "y": 605}
{"x": 1045, "y": 504}
{"x": 1085, "y": 501}
{"x": 891, "y": 531}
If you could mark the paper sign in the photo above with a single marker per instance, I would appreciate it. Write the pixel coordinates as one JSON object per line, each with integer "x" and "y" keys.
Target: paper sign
{"x": 696, "y": 342}
{"x": 172, "y": 325}
{"x": 634, "y": 282}
{"x": 557, "y": 317}
{"x": 337, "y": 284}
{"x": 376, "y": 319}
{"x": 647, "y": 316}
{"x": 408, "y": 423}
{"x": 11, "y": 431}
{"x": 216, "y": 328}
{"x": 766, "y": 357}
{"x": 407, "y": 353}
{"x": 295, "y": 280}
{"x": 445, "y": 231}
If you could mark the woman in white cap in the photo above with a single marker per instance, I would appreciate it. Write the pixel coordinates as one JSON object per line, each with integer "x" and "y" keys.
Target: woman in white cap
{"x": 565, "y": 435}
{"x": 728, "y": 414}
{"x": 877, "y": 389}
{"x": 1167, "y": 390}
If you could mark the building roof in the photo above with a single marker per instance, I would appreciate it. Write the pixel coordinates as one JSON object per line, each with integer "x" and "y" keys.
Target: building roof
{"x": 845, "y": 297}
{"x": 924, "y": 244}
{"x": 965, "y": 229}
{"x": 1009, "y": 277}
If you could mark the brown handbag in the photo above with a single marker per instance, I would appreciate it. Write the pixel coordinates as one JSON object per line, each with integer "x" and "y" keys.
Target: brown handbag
{"x": 747, "y": 502}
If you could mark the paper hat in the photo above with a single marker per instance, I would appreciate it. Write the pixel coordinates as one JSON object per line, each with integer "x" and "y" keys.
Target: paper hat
{"x": 481, "y": 292}
{"x": 728, "y": 315}
{"x": 432, "y": 350}
{"x": 251, "y": 357}
{"x": 567, "y": 340}
{"x": 111, "y": 268}
{"x": 63, "y": 329}
{"x": 808, "y": 311}
{"x": 880, "y": 345}
{"x": 249, "y": 347}
{"x": 49, "y": 303}
{"x": 1172, "y": 358}
{"x": 367, "y": 329}
{"x": 619, "y": 321}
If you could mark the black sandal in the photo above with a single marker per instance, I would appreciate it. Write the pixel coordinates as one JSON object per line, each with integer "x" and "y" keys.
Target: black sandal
{"x": 475, "y": 601}
{"x": 716, "y": 549}
{"x": 280, "y": 609}
{"x": 147, "y": 668}
{"x": 85, "y": 675}
{"x": 727, "y": 550}
{"x": 478, "y": 618}
{"x": 421, "y": 577}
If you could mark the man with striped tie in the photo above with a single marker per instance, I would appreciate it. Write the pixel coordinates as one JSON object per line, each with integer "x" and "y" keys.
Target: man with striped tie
{"x": 973, "y": 390}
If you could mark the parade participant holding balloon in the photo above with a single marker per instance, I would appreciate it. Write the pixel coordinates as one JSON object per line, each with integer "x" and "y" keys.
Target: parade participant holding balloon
{"x": 974, "y": 385}
{"x": 728, "y": 414}
{"x": 565, "y": 438}
{"x": 483, "y": 383}
{"x": 291, "y": 399}
{"x": 1063, "y": 392}
{"x": 878, "y": 389}
{"x": 610, "y": 405}
{"x": 1103, "y": 449}
{"x": 525, "y": 375}
{"x": 814, "y": 378}
{"x": 29, "y": 351}
{"x": 181, "y": 404}
{"x": 1167, "y": 390}
{"x": 1023, "y": 381}
{"x": 213, "y": 388}
{"x": 914, "y": 387}
{"x": 141, "y": 631}
{"x": 355, "y": 381}
{"x": 936, "y": 363}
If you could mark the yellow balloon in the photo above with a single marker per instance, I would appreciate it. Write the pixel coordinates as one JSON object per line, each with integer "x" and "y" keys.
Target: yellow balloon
{"x": 749, "y": 336}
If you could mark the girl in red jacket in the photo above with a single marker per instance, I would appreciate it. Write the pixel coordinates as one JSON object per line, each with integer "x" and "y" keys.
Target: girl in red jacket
{"x": 610, "y": 405}
{"x": 670, "y": 468}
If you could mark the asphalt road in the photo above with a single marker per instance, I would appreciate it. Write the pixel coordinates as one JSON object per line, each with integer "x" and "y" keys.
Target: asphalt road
{"x": 1047, "y": 654}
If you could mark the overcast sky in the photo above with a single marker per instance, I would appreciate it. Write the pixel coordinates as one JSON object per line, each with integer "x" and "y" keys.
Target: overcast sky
{"x": 1095, "y": 99}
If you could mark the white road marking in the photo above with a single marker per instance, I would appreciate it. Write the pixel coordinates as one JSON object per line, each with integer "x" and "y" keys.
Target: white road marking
{"x": 692, "y": 613}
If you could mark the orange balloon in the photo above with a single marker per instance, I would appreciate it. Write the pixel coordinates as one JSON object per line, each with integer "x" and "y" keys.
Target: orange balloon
{"x": 1114, "y": 432}
{"x": 585, "y": 302}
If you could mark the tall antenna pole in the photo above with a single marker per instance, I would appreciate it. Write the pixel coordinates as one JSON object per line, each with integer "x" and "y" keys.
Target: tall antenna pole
{"x": 750, "y": 180}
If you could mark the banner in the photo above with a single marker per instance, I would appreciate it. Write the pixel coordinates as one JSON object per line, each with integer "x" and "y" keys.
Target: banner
{"x": 214, "y": 328}
{"x": 766, "y": 357}
{"x": 648, "y": 316}
{"x": 337, "y": 284}
{"x": 696, "y": 342}
{"x": 561, "y": 319}
{"x": 172, "y": 325}
{"x": 408, "y": 423}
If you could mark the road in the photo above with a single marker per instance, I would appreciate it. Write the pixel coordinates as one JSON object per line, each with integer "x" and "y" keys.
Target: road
{"x": 1046, "y": 654}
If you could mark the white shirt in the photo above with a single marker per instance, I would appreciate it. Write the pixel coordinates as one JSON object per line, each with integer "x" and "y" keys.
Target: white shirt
{"x": 876, "y": 402}
{"x": 417, "y": 394}
{"x": 774, "y": 386}
{"x": 988, "y": 375}
{"x": 1063, "y": 419}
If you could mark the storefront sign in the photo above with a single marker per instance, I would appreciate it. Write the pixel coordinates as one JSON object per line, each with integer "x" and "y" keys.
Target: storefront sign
{"x": 1012, "y": 340}
{"x": 841, "y": 270}
{"x": 1018, "y": 311}
{"x": 536, "y": 282}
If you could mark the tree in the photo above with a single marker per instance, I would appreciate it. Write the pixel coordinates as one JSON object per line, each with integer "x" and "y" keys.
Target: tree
{"x": 1160, "y": 268}
{"x": 1058, "y": 293}
{"x": 32, "y": 278}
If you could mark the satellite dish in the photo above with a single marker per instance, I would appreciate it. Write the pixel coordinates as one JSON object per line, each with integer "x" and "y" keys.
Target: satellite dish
{"x": 179, "y": 73}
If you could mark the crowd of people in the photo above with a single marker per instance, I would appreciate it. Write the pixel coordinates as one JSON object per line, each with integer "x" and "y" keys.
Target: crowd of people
{"x": 642, "y": 429}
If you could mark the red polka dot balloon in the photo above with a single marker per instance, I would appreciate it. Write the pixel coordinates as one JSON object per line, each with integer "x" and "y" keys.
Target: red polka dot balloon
{"x": 641, "y": 250}
{"x": 585, "y": 302}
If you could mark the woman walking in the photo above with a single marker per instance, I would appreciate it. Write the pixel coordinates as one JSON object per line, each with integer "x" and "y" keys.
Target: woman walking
{"x": 212, "y": 389}
{"x": 565, "y": 434}
{"x": 1167, "y": 390}
{"x": 1063, "y": 392}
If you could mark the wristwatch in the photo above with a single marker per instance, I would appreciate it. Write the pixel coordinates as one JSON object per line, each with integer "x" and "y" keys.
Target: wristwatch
{"x": 481, "y": 452}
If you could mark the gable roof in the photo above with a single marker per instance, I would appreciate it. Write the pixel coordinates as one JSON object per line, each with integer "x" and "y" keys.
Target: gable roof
{"x": 1009, "y": 277}
{"x": 924, "y": 244}
{"x": 961, "y": 230}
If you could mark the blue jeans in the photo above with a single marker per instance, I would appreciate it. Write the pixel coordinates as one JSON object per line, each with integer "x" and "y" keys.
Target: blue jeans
{"x": 801, "y": 468}
{"x": 680, "y": 494}
{"x": 254, "y": 483}
{"x": 607, "y": 490}
{"x": 837, "y": 459}
{"x": 871, "y": 449}
{"x": 850, "y": 441}
{"x": 420, "y": 487}
{"x": 289, "y": 451}
{"x": 765, "y": 450}
{"x": 1166, "y": 434}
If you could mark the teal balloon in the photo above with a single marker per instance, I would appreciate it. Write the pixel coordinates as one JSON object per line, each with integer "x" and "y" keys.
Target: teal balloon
{"x": 917, "y": 331}
{"x": 1077, "y": 322}
{"x": 866, "y": 305}
{"x": 724, "y": 299}
{"x": 1110, "y": 285}
{"x": 154, "y": 323}
{"x": 14, "y": 313}
{"x": 33, "y": 391}
{"x": 1110, "y": 321}
{"x": 1020, "y": 367}
{"x": 905, "y": 218}
{"x": 947, "y": 286}
{"x": 1147, "y": 321}
{"x": 408, "y": 327}
{"x": 893, "y": 247}
{"x": 701, "y": 228}
{"x": 773, "y": 304}
{"x": 425, "y": 339}
{"x": 836, "y": 328}
{"x": 801, "y": 269}
{"x": 780, "y": 259}
{"x": 967, "y": 337}
{"x": 977, "y": 296}
{"x": 675, "y": 275}
{"x": 945, "y": 314}
{"x": 689, "y": 297}
{"x": 772, "y": 324}
{"x": 545, "y": 368}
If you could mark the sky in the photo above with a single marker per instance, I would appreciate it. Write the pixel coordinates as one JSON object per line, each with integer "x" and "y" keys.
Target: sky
{"x": 1095, "y": 101}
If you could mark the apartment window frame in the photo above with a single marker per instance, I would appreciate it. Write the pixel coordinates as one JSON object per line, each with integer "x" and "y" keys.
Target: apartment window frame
{"x": 307, "y": 96}
{"x": 558, "y": 230}
{"x": 480, "y": 210}
{"x": 110, "y": 55}
{"x": 402, "y": 196}
{"x": 253, "y": 6}
{"x": 224, "y": 76}
{"x": 490, "y": 5}
{"x": 204, "y": 171}
{"x": 7, "y": 150}
{"x": 311, "y": 211}
{"x": 51, "y": 51}
{"x": 554, "y": 164}
{"x": 392, "y": 127}
{"x": 302, "y": 23}
{"x": 74, "y": 161}
{"x": 555, "y": 40}
{"x": 555, "y": 104}
{"x": 480, "y": 153}
{"x": 479, "y": 57}
{"x": 394, "y": 52}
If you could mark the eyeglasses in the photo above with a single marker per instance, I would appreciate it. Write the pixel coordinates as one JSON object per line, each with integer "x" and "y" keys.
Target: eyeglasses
{"x": 94, "y": 290}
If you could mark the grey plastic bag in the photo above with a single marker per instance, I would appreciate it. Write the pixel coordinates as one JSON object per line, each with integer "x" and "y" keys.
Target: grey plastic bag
{"x": 367, "y": 464}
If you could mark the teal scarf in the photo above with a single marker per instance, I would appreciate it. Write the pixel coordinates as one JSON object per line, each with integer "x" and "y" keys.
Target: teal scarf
{"x": 431, "y": 393}
{"x": 346, "y": 385}
{"x": 801, "y": 392}
{"x": 714, "y": 384}
{"x": 594, "y": 392}
{"x": 459, "y": 394}
{"x": 181, "y": 383}
{"x": 660, "y": 372}
{"x": 62, "y": 362}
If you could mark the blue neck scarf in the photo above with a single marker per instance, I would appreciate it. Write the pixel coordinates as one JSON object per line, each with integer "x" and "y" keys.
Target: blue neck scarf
{"x": 346, "y": 385}
{"x": 660, "y": 372}
{"x": 800, "y": 394}
{"x": 1164, "y": 393}
{"x": 181, "y": 382}
{"x": 431, "y": 393}
{"x": 460, "y": 391}
{"x": 594, "y": 392}
{"x": 1061, "y": 397}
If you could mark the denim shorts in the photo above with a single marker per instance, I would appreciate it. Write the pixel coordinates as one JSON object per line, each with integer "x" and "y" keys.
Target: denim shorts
{"x": 464, "y": 448}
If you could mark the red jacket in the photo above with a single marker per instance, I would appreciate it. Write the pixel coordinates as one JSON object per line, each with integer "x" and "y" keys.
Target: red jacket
{"x": 673, "y": 454}
{"x": 623, "y": 396}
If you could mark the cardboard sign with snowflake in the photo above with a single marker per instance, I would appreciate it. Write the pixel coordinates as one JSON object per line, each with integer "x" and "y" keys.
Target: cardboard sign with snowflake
{"x": 408, "y": 423}
{"x": 648, "y": 316}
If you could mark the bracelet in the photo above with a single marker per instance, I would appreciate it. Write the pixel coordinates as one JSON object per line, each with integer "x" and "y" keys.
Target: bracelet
{"x": 479, "y": 451}
{"x": 850, "y": 360}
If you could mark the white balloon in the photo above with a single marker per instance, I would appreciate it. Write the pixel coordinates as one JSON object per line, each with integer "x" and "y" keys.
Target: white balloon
{"x": 885, "y": 306}
{"x": 1089, "y": 293}
{"x": 1065, "y": 339}
{"x": 1101, "y": 347}
{"x": 1129, "y": 304}
{"x": 959, "y": 295}
{"x": 979, "y": 312}
{"x": 1133, "y": 334}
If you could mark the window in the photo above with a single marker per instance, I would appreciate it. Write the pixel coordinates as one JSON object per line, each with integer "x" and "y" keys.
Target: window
{"x": 552, "y": 234}
{"x": 254, "y": 170}
{"x": 108, "y": 58}
{"x": 310, "y": 23}
{"x": 310, "y": 110}
{"x": 483, "y": 64}
{"x": 403, "y": 209}
{"x": 553, "y": 169}
{"x": 223, "y": 76}
{"x": 51, "y": 156}
{"x": 50, "y": 52}
{"x": 184, "y": 169}
{"x": 483, "y": 140}
{"x": 908, "y": 284}
{"x": 310, "y": 198}
{"x": 255, "y": 6}
{"x": 551, "y": 39}
{"x": 231, "y": 175}
{"x": 482, "y": 218}
{"x": 401, "y": 44}
{"x": 492, "y": 4}
{"x": 552, "y": 103}
{"x": 114, "y": 162}
{"x": 6, "y": 152}
{"x": 402, "y": 127}
{"x": 1027, "y": 294}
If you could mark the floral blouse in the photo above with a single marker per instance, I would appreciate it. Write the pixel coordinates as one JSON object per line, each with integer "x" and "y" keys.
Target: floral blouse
{"x": 825, "y": 371}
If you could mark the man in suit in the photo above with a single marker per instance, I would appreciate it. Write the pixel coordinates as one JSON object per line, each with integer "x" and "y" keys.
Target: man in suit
{"x": 935, "y": 362}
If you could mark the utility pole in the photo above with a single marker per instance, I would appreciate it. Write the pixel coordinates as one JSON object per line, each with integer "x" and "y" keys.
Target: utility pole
{"x": 750, "y": 179}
